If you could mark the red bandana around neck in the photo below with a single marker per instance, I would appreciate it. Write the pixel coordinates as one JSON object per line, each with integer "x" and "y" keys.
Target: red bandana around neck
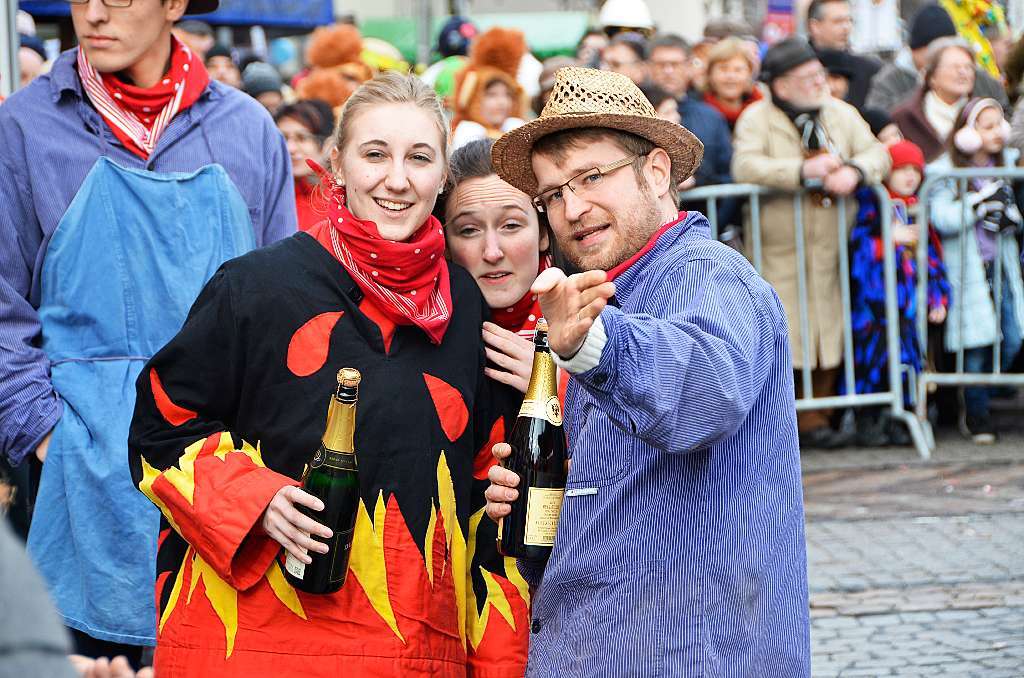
{"x": 522, "y": 316}
{"x": 407, "y": 280}
{"x": 138, "y": 116}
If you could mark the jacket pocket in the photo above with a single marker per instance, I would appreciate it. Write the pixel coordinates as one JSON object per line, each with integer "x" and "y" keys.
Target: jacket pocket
{"x": 613, "y": 621}
{"x": 602, "y": 460}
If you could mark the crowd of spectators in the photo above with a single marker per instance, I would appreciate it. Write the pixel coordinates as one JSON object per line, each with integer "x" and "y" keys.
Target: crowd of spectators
{"x": 807, "y": 112}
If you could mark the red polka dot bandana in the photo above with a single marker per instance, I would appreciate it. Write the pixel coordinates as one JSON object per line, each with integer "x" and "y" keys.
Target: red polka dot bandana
{"x": 407, "y": 280}
{"x": 138, "y": 116}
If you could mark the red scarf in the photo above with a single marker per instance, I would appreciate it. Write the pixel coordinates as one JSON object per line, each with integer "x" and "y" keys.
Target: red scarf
{"x": 309, "y": 204}
{"x": 138, "y": 116}
{"x": 408, "y": 281}
{"x": 522, "y": 316}
{"x": 728, "y": 112}
{"x": 907, "y": 202}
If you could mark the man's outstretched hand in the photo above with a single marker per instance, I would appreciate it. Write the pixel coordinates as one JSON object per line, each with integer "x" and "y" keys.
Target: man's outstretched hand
{"x": 570, "y": 304}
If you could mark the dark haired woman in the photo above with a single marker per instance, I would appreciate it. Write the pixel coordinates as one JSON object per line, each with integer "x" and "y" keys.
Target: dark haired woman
{"x": 307, "y": 126}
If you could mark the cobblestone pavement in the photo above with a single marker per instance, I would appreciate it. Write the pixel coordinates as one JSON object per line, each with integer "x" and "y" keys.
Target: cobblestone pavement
{"x": 916, "y": 568}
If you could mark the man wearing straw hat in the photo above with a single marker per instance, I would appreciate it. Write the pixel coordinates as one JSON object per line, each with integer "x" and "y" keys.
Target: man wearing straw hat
{"x": 680, "y": 547}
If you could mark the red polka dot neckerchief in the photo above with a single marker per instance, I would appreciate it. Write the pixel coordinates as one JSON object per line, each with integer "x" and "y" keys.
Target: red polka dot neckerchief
{"x": 138, "y": 116}
{"x": 408, "y": 281}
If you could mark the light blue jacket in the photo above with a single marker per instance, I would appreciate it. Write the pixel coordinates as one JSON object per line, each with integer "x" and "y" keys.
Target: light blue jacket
{"x": 945, "y": 210}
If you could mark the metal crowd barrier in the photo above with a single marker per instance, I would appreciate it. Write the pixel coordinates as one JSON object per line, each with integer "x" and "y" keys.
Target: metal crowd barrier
{"x": 960, "y": 378}
{"x": 891, "y": 398}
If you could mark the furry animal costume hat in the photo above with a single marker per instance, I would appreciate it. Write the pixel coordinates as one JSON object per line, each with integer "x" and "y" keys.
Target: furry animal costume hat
{"x": 493, "y": 57}
{"x": 335, "y": 67}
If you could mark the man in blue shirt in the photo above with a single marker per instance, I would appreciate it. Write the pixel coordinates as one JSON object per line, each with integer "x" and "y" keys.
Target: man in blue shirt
{"x": 680, "y": 545}
{"x": 126, "y": 178}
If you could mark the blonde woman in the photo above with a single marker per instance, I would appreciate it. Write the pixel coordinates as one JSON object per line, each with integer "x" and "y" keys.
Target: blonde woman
{"x": 233, "y": 407}
{"x": 730, "y": 80}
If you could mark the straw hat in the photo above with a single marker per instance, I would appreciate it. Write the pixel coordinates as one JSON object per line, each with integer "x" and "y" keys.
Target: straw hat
{"x": 585, "y": 97}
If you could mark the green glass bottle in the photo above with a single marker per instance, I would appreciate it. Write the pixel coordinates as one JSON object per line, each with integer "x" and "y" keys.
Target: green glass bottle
{"x": 538, "y": 456}
{"x": 333, "y": 477}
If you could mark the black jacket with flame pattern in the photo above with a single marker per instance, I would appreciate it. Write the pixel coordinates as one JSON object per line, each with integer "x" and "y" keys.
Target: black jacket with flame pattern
{"x": 234, "y": 406}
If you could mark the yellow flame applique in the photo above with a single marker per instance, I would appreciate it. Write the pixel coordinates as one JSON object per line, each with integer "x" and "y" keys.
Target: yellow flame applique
{"x": 172, "y": 600}
{"x": 367, "y": 561}
{"x": 456, "y": 540}
{"x": 222, "y": 596}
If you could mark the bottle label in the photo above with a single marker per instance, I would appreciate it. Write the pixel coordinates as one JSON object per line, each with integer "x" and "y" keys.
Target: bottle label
{"x": 543, "y": 505}
{"x": 340, "y": 552}
{"x": 339, "y": 461}
{"x": 549, "y": 409}
{"x": 295, "y": 567}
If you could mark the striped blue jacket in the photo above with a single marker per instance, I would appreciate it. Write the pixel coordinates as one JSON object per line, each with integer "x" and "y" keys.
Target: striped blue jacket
{"x": 680, "y": 549}
{"x": 50, "y": 137}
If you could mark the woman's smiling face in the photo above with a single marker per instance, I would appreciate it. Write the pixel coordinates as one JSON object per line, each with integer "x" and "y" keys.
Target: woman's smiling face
{"x": 392, "y": 166}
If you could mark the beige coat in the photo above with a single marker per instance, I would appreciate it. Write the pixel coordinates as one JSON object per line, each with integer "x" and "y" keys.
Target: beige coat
{"x": 767, "y": 151}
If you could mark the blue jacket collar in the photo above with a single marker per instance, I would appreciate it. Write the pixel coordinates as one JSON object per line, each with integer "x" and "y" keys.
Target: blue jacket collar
{"x": 628, "y": 279}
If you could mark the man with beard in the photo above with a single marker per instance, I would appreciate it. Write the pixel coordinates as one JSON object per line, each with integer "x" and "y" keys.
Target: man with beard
{"x": 680, "y": 545}
{"x": 803, "y": 137}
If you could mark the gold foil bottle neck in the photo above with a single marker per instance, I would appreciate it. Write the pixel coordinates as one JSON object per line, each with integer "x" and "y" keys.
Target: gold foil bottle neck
{"x": 339, "y": 433}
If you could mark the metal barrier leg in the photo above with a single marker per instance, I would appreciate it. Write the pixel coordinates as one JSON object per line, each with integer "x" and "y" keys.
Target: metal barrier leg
{"x": 920, "y": 432}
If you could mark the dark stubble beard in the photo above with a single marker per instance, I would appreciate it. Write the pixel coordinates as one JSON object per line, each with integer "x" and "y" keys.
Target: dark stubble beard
{"x": 637, "y": 223}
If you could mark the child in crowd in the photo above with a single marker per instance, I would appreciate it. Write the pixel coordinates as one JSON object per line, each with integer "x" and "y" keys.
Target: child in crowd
{"x": 978, "y": 254}
{"x": 867, "y": 290}
{"x": 488, "y": 99}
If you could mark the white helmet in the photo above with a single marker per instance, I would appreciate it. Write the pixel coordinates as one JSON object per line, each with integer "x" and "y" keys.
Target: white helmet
{"x": 626, "y": 14}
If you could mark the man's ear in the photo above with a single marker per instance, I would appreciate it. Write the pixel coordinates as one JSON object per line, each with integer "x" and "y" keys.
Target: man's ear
{"x": 175, "y": 9}
{"x": 658, "y": 168}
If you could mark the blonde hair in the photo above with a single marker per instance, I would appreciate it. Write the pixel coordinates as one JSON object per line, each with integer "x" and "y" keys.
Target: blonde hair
{"x": 727, "y": 49}
{"x": 392, "y": 87}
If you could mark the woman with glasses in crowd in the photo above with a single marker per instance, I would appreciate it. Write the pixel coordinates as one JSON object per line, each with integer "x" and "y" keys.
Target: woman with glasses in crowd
{"x": 307, "y": 126}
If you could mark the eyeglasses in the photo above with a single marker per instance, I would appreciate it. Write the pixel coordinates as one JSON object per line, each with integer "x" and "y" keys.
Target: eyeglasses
{"x": 106, "y": 3}
{"x": 300, "y": 137}
{"x": 669, "y": 65}
{"x": 815, "y": 77}
{"x": 612, "y": 64}
{"x": 580, "y": 185}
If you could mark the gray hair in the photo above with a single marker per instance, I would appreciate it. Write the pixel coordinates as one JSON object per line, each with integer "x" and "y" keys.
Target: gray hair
{"x": 935, "y": 51}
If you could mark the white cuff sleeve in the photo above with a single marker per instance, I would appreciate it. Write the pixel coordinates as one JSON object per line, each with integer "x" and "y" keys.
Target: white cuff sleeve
{"x": 589, "y": 355}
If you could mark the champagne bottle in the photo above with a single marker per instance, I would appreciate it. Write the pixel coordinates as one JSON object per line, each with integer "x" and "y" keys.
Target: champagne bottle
{"x": 333, "y": 477}
{"x": 538, "y": 456}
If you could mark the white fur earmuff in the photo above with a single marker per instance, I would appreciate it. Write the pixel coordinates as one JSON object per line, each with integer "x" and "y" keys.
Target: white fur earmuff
{"x": 967, "y": 140}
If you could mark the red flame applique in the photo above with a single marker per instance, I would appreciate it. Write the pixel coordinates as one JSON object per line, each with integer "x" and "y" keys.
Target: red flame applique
{"x": 484, "y": 458}
{"x": 173, "y": 413}
{"x": 307, "y": 350}
{"x": 451, "y": 409}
